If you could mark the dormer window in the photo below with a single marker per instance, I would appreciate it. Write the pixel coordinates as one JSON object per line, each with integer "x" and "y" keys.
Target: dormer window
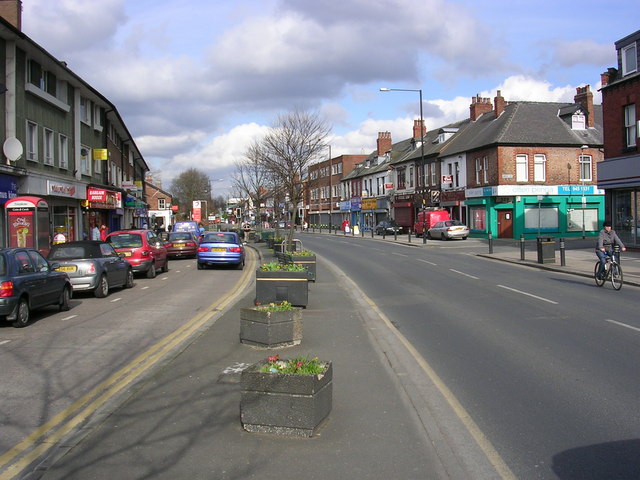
{"x": 629, "y": 60}
{"x": 578, "y": 121}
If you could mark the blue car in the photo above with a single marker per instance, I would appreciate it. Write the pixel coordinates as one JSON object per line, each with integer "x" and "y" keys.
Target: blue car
{"x": 220, "y": 248}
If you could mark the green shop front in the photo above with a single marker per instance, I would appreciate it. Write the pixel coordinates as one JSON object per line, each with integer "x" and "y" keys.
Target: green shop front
{"x": 509, "y": 211}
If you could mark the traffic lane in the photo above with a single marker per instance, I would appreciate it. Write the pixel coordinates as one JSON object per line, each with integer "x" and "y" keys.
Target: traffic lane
{"x": 551, "y": 374}
{"x": 51, "y": 363}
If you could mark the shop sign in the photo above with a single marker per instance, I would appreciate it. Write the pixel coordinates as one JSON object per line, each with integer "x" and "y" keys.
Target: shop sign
{"x": 8, "y": 188}
{"x": 61, "y": 189}
{"x": 104, "y": 199}
{"x": 356, "y": 204}
{"x": 368, "y": 204}
{"x": 100, "y": 154}
{"x": 452, "y": 196}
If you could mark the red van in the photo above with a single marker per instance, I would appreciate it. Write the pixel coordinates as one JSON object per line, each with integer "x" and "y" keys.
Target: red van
{"x": 425, "y": 220}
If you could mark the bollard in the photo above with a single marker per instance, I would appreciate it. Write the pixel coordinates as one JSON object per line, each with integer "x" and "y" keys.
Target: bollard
{"x": 490, "y": 243}
{"x": 371, "y": 232}
{"x": 563, "y": 261}
{"x": 522, "y": 247}
{"x": 616, "y": 252}
{"x": 395, "y": 235}
{"x": 409, "y": 235}
{"x": 424, "y": 235}
{"x": 362, "y": 232}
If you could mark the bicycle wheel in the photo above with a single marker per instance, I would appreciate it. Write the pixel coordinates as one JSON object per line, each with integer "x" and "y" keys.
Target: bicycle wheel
{"x": 616, "y": 276}
{"x": 599, "y": 281}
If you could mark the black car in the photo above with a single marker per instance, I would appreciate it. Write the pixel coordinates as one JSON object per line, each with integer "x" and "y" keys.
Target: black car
{"x": 28, "y": 281}
{"x": 389, "y": 227}
{"x": 92, "y": 266}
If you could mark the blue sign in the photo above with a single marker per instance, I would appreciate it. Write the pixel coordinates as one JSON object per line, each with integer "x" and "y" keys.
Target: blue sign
{"x": 8, "y": 188}
{"x": 576, "y": 190}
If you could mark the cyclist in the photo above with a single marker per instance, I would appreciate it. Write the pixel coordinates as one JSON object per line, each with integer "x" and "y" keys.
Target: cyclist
{"x": 606, "y": 240}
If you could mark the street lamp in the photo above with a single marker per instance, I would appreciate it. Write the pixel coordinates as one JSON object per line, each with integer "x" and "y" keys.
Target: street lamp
{"x": 582, "y": 177}
{"x": 419, "y": 90}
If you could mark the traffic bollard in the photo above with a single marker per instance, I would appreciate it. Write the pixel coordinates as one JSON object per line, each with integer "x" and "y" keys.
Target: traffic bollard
{"x": 563, "y": 261}
{"x": 522, "y": 246}
{"x": 490, "y": 243}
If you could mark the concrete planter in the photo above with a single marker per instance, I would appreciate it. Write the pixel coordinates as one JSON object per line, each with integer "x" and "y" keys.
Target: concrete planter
{"x": 270, "y": 329}
{"x": 284, "y": 404}
{"x": 308, "y": 262}
{"x": 278, "y": 286}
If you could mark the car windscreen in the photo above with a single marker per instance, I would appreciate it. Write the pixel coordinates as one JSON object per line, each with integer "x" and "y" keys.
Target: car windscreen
{"x": 219, "y": 238}
{"x": 180, "y": 236}
{"x": 67, "y": 252}
{"x": 125, "y": 240}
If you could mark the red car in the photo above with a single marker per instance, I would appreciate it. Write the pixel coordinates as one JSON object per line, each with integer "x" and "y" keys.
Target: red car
{"x": 182, "y": 244}
{"x": 143, "y": 249}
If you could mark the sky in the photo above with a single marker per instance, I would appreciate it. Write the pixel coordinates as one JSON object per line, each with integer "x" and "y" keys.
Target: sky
{"x": 195, "y": 82}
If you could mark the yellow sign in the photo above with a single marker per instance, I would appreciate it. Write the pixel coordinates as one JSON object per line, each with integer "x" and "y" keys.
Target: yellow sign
{"x": 100, "y": 154}
{"x": 368, "y": 204}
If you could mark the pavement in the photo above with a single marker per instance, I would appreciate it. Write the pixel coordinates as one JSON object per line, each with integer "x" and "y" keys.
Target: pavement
{"x": 183, "y": 422}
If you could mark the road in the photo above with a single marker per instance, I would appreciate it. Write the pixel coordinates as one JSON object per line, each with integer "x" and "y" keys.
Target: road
{"x": 544, "y": 363}
{"x": 65, "y": 368}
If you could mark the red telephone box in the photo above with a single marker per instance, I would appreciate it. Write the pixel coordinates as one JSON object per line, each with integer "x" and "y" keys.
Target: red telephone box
{"x": 28, "y": 223}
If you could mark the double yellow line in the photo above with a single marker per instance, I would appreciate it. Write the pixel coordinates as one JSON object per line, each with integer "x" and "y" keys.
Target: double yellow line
{"x": 41, "y": 440}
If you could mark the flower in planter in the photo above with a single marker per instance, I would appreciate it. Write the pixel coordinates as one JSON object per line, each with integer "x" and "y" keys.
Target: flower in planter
{"x": 276, "y": 266}
{"x": 276, "y": 307}
{"x": 302, "y": 253}
{"x": 298, "y": 365}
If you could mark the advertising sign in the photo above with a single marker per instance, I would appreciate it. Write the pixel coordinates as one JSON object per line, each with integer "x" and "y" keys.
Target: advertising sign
{"x": 21, "y": 229}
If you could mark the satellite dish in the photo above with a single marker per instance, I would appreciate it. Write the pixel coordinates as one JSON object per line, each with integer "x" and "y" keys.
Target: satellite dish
{"x": 12, "y": 148}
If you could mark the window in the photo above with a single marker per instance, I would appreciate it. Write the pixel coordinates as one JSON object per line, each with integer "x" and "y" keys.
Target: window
{"x": 522, "y": 168}
{"x": 48, "y": 147}
{"x": 63, "y": 145}
{"x": 478, "y": 170}
{"x": 97, "y": 117}
{"x": 32, "y": 141}
{"x": 433, "y": 174}
{"x": 410, "y": 177}
{"x": 578, "y": 122}
{"x": 543, "y": 219}
{"x": 585, "y": 168}
{"x": 629, "y": 60}
{"x": 162, "y": 203}
{"x": 402, "y": 178}
{"x": 539, "y": 168}
{"x": 85, "y": 165}
{"x": 485, "y": 169}
{"x": 85, "y": 111}
{"x": 630, "y": 125}
{"x": 97, "y": 165}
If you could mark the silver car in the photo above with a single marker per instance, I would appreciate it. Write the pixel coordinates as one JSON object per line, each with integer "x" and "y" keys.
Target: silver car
{"x": 92, "y": 266}
{"x": 448, "y": 229}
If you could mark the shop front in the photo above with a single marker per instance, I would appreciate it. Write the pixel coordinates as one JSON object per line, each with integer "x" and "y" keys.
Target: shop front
{"x": 8, "y": 191}
{"x": 454, "y": 202}
{"x": 509, "y": 211}
{"x": 402, "y": 211}
{"x": 368, "y": 206}
{"x": 103, "y": 207}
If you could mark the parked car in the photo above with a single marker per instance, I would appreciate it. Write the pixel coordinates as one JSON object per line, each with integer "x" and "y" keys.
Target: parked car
{"x": 220, "y": 248}
{"x": 182, "y": 244}
{"x": 448, "y": 229}
{"x": 28, "y": 281}
{"x": 388, "y": 227}
{"x": 142, "y": 249}
{"x": 92, "y": 266}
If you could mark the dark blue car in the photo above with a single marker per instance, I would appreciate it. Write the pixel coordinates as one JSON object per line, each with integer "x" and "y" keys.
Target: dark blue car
{"x": 220, "y": 248}
{"x": 28, "y": 281}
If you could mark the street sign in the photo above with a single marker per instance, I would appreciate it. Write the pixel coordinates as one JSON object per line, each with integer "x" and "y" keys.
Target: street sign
{"x": 435, "y": 196}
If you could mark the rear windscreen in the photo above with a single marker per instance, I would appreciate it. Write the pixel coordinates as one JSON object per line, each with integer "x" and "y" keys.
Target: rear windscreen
{"x": 219, "y": 238}
{"x": 65, "y": 252}
{"x": 180, "y": 236}
{"x": 125, "y": 240}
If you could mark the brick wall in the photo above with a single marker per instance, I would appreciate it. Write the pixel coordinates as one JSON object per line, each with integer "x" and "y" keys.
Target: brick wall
{"x": 614, "y": 99}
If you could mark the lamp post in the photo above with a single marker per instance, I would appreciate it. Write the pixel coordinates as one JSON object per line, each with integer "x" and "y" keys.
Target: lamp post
{"x": 419, "y": 90}
{"x": 582, "y": 177}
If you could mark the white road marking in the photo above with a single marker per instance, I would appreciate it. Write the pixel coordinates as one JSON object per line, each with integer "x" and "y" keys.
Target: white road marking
{"x": 622, "y": 324}
{"x": 164, "y": 278}
{"x": 462, "y": 273}
{"x": 144, "y": 288}
{"x": 4, "y": 342}
{"x": 427, "y": 261}
{"x": 69, "y": 317}
{"x": 399, "y": 254}
{"x": 116, "y": 299}
{"x": 528, "y": 294}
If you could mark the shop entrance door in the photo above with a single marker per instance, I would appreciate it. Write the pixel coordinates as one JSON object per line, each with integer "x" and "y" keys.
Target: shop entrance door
{"x": 505, "y": 223}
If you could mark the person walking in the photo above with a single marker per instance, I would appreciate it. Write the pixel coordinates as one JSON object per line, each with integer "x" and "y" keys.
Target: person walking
{"x": 607, "y": 239}
{"x": 95, "y": 232}
{"x": 103, "y": 232}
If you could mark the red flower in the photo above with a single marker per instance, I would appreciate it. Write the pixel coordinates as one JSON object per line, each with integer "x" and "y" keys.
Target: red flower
{"x": 273, "y": 358}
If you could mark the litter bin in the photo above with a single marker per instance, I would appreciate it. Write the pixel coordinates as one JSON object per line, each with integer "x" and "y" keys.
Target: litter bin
{"x": 546, "y": 250}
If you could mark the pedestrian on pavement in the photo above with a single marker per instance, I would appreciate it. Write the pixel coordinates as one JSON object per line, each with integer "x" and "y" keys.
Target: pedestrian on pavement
{"x": 606, "y": 241}
{"x": 95, "y": 232}
{"x": 103, "y": 232}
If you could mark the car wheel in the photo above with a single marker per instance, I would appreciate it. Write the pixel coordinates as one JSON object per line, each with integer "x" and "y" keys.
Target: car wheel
{"x": 464, "y": 238}
{"x": 165, "y": 267}
{"x": 102, "y": 290}
{"x": 64, "y": 300}
{"x": 200, "y": 266}
{"x": 129, "y": 282}
{"x": 22, "y": 314}
{"x": 442, "y": 236}
{"x": 151, "y": 273}
{"x": 240, "y": 265}
{"x": 429, "y": 236}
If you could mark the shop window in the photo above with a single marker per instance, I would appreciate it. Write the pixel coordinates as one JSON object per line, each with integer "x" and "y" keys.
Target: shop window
{"x": 541, "y": 219}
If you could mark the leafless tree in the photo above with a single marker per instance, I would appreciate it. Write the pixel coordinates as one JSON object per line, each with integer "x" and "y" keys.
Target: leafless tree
{"x": 251, "y": 179}
{"x": 297, "y": 139}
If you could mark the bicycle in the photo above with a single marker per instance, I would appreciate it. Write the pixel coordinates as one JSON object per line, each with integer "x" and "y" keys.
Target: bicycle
{"x": 612, "y": 270}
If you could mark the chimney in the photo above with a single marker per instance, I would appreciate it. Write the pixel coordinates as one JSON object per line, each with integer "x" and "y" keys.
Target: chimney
{"x": 499, "y": 102}
{"x": 585, "y": 98}
{"x": 11, "y": 11}
{"x": 384, "y": 143}
{"x": 419, "y": 133}
{"x": 479, "y": 106}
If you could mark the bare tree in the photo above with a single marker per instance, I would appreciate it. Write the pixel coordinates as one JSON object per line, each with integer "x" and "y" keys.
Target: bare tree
{"x": 251, "y": 179}
{"x": 297, "y": 139}
{"x": 190, "y": 185}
